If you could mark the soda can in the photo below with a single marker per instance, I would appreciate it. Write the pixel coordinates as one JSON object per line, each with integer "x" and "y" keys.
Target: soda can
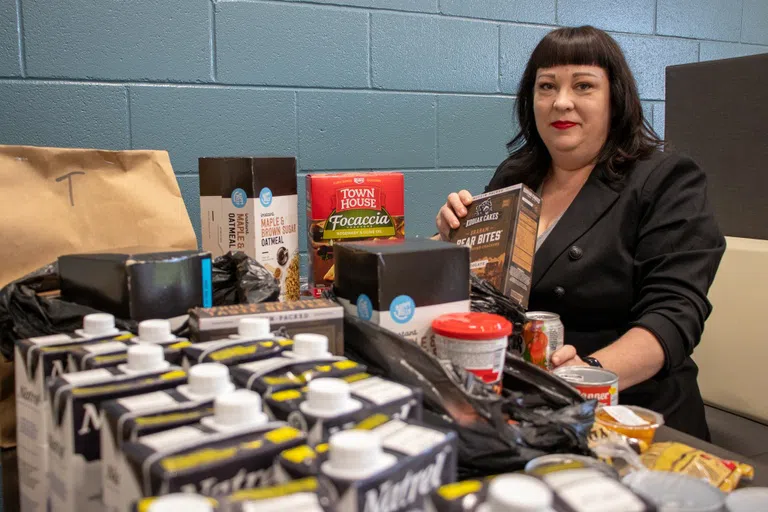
{"x": 543, "y": 333}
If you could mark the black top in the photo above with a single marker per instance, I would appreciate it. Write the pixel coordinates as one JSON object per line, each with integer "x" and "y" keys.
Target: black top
{"x": 640, "y": 252}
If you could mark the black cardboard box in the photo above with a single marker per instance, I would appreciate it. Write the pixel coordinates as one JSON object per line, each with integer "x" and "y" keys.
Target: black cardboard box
{"x": 138, "y": 285}
{"x": 402, "y": 285}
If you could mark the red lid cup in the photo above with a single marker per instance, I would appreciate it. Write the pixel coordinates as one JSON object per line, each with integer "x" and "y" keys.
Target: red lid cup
{"x": 472, "y": 326}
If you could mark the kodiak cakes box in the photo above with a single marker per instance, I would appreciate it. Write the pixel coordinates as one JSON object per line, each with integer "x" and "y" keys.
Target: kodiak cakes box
{"x": 350, "y": 206}
{"x": 501, "y": 229}
{"x": 403, "y": 285}
{"x": 250, "y": 204}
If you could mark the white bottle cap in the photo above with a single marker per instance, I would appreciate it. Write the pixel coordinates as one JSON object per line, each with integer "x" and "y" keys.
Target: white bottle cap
{"x": 327, "y": 398}
{"x": 519, "y": 493}
{"x": 207, "y": 380}
{"x": 155, "y": 331}
{"x": 310, "y": 346}
{"x": 239, "y": 409}
{"x": 181, "y": 501}
{"x": 97, "y": 324}
{"x": 253, "y": 327}
{"x": 356, "y": 454}
{"x": 145, "y": 358}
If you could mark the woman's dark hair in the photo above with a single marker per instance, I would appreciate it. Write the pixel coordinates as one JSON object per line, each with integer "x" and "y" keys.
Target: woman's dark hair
{"x": 630, "y": 137}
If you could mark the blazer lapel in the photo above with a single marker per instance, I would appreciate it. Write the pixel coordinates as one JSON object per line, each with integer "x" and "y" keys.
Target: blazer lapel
{"x": 594, "y": 198}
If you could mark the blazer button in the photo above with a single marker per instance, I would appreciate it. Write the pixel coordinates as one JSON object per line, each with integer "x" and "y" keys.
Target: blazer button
{"x": 559, "y": 292}
{"x": 575, "y": 253}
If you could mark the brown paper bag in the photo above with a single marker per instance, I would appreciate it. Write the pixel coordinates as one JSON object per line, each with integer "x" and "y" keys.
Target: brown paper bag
{"x": 56, "y": 201}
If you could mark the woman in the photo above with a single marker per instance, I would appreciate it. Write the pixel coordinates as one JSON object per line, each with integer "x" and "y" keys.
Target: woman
{"x": 627, "y": 245}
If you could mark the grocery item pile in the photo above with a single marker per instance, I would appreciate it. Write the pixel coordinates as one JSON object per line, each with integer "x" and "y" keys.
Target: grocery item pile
{"x": 406, "y": 375}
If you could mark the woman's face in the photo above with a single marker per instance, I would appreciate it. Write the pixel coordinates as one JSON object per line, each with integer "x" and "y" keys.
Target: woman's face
{"x": 572, "y": 111}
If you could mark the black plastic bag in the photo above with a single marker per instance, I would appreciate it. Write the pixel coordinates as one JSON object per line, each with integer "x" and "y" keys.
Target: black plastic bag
{"x": 536, "y": 414}
{"x": 238, "y": 279}
{"x": 25, "y": 313}
{"x": 486, "y": 298}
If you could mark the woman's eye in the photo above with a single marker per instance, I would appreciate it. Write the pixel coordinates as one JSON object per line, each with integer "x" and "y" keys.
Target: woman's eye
{"x": 546, "y": 86}
{"x": 584, "y": 86}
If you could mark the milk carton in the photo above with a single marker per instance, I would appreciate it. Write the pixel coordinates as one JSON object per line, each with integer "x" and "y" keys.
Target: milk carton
{"x": 309, "y": 359}
{"x": 105, "y": 355}
{"x": 328, "y": 405}
{"x": 126, "y": 419}
{"x": 232, "y": 450}
{"x": 177, "y": 502}
{"x": 384, "y": 464}
{"x": 74, "y": 422}
{"x": 253, "y": 342}
{"x": 36, "y": 360}
{"x": 308, "y": 494}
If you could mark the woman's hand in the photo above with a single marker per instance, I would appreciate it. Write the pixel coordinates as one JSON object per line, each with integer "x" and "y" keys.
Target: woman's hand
{"x": 455, "y": 208}
{"x": 566, "y": 356}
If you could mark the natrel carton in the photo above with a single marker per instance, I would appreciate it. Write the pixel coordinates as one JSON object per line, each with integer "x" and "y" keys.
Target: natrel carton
{"x": 350, "y": 206}
{"x": 105, "y": 355}
{"x": 74, "y": 422}
{"x": 252, "y": 342}
{"x": 232, "y": 450}
{"x": 328, "y": 405}
{"x": 383, "y": 464}
{"x": 308, "y": 360}
{"x": 124, "y": 420}
{"x": 310, "y": 494}
{"x": 37, "y": 359}
{"x": 501, "y": 227}
{"x": 250, "y": 204}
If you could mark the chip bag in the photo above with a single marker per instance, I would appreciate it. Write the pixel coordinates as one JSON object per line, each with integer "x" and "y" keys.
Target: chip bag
{"x": 681, "y": 458}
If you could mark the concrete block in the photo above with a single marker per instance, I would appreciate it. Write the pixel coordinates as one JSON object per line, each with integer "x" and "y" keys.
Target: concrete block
{"x": 618, "y": 15}
{"x": 522, "y": 11}
{"x": 703, "y": 19}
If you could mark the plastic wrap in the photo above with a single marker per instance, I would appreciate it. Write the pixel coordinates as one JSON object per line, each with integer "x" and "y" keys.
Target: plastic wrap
{"x": 536, "y": 414}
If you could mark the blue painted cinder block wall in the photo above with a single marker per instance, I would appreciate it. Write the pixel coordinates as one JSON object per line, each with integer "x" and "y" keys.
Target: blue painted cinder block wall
{"x": 424, "y": 86}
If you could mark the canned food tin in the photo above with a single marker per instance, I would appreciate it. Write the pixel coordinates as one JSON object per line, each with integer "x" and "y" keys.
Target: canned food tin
{"x": 555, "y": 462}
{"x": 543, "y": 333}
{"x": 476, "y": 342}
{"x": 593, "y": 383}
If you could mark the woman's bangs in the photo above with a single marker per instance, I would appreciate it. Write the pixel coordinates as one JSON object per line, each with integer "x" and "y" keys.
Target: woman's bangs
{"x": 576, "y": 49}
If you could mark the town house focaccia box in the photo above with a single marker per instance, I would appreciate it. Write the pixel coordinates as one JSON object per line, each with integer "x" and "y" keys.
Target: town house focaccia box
{"x": 349, "y": 207}
{"x": 501, "y": 229}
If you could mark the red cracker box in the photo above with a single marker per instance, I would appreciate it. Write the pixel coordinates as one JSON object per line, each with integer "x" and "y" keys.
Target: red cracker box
{"x": 346, "y": 207}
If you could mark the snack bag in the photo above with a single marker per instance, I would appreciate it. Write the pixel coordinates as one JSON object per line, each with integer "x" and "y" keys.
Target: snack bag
{"x": 681, "y": 458}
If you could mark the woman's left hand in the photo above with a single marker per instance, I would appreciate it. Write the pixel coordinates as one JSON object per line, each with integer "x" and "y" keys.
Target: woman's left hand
{"x": 566, "y": 356}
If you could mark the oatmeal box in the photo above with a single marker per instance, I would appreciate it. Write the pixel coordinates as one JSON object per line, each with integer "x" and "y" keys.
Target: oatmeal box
{"x": 350, "y": 207}
{"x": 500, "y": 228}
{"x": 250, "y": 205}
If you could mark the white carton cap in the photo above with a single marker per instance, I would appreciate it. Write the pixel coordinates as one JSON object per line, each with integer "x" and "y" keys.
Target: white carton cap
{"x": 207, "y": 380}
{"x": 238, "y": 409}
{"x": 519, "y": 493}
{"x": 97, "y": 324}
{"x": 145, "y": 358}
{"x": 327, "y": 398}
{"x": 155, "y": 331}
{"x": 185, "y": 502}
{"x": 309, "y": 346}
{"x": 356, "y": 454}
{"x": 253, "y": 327}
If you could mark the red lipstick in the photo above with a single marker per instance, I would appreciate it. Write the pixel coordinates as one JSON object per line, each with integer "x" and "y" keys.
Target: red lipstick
{"x": 563, "y": 125}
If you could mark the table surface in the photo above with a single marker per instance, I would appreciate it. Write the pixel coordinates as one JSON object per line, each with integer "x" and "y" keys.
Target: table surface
{"x": 761, "y": 470}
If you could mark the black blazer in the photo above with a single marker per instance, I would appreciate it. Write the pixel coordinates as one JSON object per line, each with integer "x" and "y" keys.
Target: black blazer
{"x": 640, "y": 252}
